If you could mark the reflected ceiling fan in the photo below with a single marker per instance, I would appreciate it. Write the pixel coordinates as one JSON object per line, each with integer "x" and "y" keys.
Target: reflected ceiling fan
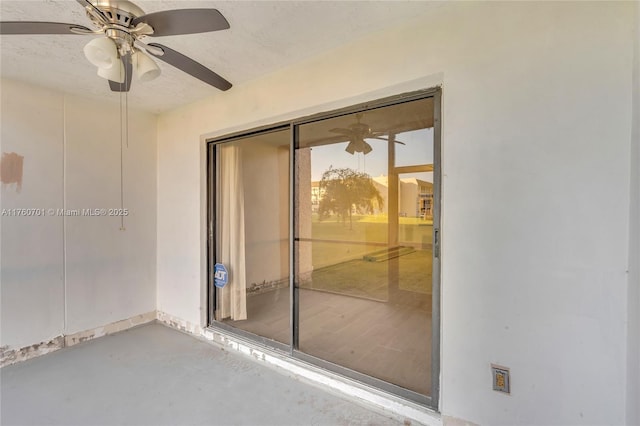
{"x": 357, "y": 133}
{"x": 120, "y": 52}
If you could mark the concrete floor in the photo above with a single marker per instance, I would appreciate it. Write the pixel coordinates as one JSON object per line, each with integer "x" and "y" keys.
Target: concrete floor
{"x": 153, "y": 375}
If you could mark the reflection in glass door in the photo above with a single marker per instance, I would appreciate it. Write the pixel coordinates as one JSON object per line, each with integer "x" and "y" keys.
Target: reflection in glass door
{"x": 252, "y": 230}
{"x": 363, "y": 242}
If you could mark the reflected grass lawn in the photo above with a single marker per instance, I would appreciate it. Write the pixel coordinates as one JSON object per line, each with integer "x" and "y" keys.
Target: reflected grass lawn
{"x": 334, "y": 242}
{"x": 337, "y": 254}
{"x": 371, "y": 280}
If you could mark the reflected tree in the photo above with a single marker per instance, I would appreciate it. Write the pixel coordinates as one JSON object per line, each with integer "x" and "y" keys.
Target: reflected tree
{"x": 345, "y": 190}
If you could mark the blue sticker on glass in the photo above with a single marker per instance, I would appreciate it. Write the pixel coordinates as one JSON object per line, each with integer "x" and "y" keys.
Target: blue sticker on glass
{"x": 220, "y": 275}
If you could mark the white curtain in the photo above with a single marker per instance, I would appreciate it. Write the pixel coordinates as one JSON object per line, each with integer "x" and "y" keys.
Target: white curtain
{"x": 233, "y": 296}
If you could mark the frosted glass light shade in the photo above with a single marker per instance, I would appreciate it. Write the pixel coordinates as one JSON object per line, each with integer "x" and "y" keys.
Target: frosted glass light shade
{"x": 145, "y": 68}
{"x": 102, "y": 52}
{"x": 114, "y": 73}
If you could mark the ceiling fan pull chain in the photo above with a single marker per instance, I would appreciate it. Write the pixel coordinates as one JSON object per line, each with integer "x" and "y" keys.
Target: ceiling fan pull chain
{"x": 122, "y": 135}
{"x": 126, "y": 116}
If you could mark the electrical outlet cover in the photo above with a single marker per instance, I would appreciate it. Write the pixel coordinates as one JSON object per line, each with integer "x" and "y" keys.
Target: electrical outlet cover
{"x": 501, "y": 379}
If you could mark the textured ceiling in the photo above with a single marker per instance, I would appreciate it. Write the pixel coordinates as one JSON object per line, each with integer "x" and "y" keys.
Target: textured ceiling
{"x": 265, "y": 36}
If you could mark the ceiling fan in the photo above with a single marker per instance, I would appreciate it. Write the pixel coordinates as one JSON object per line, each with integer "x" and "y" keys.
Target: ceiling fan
{"x": 121, "y": 53}
{"x": 357, "y": 133}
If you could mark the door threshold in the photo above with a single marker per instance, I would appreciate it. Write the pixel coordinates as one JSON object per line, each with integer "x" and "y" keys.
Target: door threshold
{"x": 369, "y": 396}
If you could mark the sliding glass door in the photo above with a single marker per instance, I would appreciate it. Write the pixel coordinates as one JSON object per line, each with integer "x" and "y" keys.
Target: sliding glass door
{"x": 325, "y": 241}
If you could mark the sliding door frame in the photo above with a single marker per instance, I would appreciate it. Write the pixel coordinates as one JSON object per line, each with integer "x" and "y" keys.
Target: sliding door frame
{"x": 293, "y": 126}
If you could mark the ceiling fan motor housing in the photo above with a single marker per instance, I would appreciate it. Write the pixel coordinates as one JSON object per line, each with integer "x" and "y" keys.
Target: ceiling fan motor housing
{"x": 119, "y": 15}
{"x": 118, "y": 12}
{"x": 123, "y": 39}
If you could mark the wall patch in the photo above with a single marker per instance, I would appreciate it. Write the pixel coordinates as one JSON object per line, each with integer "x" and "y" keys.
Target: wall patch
{"x": 11, "y": 169}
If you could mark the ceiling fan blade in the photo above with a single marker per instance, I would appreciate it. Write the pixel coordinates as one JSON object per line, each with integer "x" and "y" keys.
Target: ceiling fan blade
{"x": 191, "y": 67}
{"x": 27, "y": 27}
{"x": 128, "y": 70}
{"x": 93, "y": 10}
{"x": 351, "y": 149}
{"x": 183, "y": 21}
{"x": 366, "y": 148}
{"x": 386, "y": 139}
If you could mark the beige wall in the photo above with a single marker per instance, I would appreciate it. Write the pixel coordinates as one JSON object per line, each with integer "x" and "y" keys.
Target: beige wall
{"x": 61, "y": 275}
{"x": 536, "y": 110}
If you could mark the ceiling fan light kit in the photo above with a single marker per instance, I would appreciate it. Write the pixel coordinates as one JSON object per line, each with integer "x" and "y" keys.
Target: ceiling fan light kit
{"x": 121, "y": 51}
{"x": 115, "y": 73}
{"x": 145, "y": 68}
{"x": 101, "y": 52}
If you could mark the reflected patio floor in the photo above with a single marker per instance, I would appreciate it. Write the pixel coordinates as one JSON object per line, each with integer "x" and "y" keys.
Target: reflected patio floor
{"x": 388, "y": 340}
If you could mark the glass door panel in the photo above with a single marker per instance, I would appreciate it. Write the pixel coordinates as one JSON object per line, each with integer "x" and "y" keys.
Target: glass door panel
{"x": 252, "y": 234}
{"x": 363, "y": 241}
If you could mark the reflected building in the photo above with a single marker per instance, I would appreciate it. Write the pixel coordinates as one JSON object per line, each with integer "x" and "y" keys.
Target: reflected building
{"x": 415, "y": 196}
